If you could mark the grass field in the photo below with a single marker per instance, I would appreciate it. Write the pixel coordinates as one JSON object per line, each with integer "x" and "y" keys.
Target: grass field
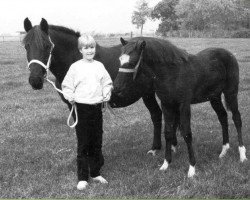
{"x": 38, "y": 150}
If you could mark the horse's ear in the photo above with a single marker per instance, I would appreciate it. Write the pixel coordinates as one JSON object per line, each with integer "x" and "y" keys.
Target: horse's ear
{"x": 44, "y": 25}
{"x": 124, "y": 42}
{"x": 142, "y": 45}
{"x": 27, "y": 24}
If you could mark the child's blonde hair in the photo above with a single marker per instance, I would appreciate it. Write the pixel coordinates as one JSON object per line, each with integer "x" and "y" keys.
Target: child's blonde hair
{"x": 86, "y": 41}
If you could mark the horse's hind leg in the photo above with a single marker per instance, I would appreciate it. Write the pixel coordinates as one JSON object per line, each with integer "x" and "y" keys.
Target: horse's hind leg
{"x": 218, "y": 107}
{"x": 185, "y": 127}
{"x": 169, "y": 119}
{"x": 156, "y": 116}
{"x": 176, "y": 125}
{"x": 232, "y": 104}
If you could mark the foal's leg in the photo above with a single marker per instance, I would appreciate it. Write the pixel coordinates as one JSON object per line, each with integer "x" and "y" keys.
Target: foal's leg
{"x": 156, "y": 116}
{"x": 169, "y": 118}
{"x": 218, "y": 107}
{"x": 232, "y": 103}
{"x": 176, "y": 125}
{"x": 185, "y": 116}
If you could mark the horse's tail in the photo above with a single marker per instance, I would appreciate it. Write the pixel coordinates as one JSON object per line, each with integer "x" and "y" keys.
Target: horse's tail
{"x": 232, "y": 80}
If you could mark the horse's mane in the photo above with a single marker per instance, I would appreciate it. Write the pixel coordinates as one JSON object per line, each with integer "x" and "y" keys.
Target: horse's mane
{"x": 65, "y": 30}
{"x": 160, "y": 51}
{"x": 36, "y": 35}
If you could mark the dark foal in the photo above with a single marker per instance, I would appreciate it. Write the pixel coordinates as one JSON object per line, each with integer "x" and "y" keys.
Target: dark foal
{"x": 179, "y": 80}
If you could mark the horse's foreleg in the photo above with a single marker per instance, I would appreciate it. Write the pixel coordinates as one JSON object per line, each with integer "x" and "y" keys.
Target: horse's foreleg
{"x": 156, "y": 116}
{"x": 222, "y": 116}
{"x": 169, "y": 132}
{"x": 185, "y": 116}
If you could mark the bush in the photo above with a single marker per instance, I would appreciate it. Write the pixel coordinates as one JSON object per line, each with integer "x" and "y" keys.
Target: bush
{"x": 241, "y": 34}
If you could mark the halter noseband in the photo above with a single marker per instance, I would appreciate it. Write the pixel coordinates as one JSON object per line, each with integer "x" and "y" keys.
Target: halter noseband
{"x": 126, "y": 70}
{"x": 46, "y": 67}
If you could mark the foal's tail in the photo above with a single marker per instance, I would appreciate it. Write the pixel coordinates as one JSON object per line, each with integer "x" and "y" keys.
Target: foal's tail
{"x": 232, "y": 81}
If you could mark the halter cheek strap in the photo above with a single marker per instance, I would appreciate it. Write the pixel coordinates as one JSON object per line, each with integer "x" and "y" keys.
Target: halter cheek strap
{"x": 46, "y": 67}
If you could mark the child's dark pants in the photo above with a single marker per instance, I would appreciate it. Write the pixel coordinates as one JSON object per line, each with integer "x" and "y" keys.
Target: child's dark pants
{"x": 89, "y": 137}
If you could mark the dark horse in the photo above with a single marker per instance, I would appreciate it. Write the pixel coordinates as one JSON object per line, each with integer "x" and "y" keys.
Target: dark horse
{"x": 179, "y": 80}
{"x": 38, "y": 44}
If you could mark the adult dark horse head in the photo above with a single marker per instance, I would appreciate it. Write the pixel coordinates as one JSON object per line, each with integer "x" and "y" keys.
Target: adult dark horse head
{"x": 181, "y": 79}
{"x": 39, "y": 42}
{"x": 41, "y": 51}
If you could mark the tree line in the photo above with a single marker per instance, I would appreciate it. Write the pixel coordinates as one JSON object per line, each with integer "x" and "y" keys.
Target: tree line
{"x": 194, "y": 15}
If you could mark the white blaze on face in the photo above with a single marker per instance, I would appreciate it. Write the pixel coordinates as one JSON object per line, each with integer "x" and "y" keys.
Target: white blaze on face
{"x": 124, "y": 59}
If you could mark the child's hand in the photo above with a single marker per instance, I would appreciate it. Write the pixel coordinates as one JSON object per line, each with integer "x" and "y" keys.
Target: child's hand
{"x": 107, "y": 97}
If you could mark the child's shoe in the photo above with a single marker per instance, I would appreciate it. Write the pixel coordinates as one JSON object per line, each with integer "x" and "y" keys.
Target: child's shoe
{"x": 82, "y": 185}
{"x": 100, "y": 179}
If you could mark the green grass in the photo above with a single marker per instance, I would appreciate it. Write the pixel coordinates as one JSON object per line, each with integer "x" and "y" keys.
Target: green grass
{"x": 38, "y": 150}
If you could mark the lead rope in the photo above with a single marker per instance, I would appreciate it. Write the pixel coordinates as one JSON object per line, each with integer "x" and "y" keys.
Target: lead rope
{"x": 74, "y": 107}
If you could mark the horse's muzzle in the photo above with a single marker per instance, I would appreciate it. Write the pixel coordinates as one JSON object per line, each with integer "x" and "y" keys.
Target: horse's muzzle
{"x": 36, "y": 83}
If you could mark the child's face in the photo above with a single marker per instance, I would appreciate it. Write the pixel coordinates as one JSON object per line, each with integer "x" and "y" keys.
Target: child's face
{"x": 88, "y": 52}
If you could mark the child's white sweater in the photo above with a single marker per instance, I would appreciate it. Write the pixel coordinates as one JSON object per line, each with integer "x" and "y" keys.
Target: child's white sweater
{"x": 87, "y": 82}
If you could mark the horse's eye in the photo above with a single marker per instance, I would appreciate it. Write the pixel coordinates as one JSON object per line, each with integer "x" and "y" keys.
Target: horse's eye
{"x": 26, "y": 46}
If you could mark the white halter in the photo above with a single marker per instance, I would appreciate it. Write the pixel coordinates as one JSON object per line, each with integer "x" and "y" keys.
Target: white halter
{"x": 46, "y": 67}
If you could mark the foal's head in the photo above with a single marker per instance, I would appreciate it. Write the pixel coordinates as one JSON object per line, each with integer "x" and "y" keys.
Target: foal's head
{"x": 38, "y": 50}
{"x": 130, "y": 60}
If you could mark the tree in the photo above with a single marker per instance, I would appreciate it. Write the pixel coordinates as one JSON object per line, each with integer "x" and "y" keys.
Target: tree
{"x": 165, "y": 10}
{"x": 139, "y": 17}
{"x": 206, "y": 14}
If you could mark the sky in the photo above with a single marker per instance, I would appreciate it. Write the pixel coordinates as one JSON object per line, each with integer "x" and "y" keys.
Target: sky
{"x": 91, "y": 16}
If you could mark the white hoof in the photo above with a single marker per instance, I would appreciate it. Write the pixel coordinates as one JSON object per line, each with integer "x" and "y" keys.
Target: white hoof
{"x": 173, "y": 148}
{"x": 82, "y": 185}
{"x": 242, "y": 151}
{"x": 191, "y": 171}
{"x": 164, "y": 166}
{"x": 224, "y": 150}
{"x": 153, "y": 152}
{"x": 100, "y": 179}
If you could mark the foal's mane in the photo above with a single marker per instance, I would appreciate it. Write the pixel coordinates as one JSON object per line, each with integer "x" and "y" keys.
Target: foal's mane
{"x": 159, "y": 51}
{"x": 37, "y": 36}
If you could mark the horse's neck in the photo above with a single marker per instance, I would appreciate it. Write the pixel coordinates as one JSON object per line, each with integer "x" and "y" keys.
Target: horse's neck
{"x": 62, "y": 56}
{"x": 109, "y": 56}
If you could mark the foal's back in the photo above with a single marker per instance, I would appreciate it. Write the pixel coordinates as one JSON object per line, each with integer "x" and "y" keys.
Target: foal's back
{"x": 216, "y": 71}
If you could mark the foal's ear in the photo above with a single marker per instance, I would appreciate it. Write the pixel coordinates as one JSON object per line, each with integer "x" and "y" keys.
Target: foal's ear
{"x": 142, "y": 44}
{"x": 27, "y": 24}
{"x": 124, "y": 42}
{"x": 44, "y": 26}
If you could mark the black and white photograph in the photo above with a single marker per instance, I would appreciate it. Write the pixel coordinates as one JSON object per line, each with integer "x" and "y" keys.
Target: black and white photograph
{"x": 109, "y": 99}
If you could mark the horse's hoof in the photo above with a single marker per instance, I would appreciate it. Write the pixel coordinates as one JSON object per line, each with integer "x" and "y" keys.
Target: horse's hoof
{"x": 224, "y": 150}
{"x": 153, "y": 152}
{"x": 191, "y": 171}
{"x": 164, "y": 166}
{"x": 242, "y": 151}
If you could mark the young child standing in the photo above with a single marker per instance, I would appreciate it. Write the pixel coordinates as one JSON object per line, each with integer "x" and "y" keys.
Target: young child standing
{"x": 88, "y": 84}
